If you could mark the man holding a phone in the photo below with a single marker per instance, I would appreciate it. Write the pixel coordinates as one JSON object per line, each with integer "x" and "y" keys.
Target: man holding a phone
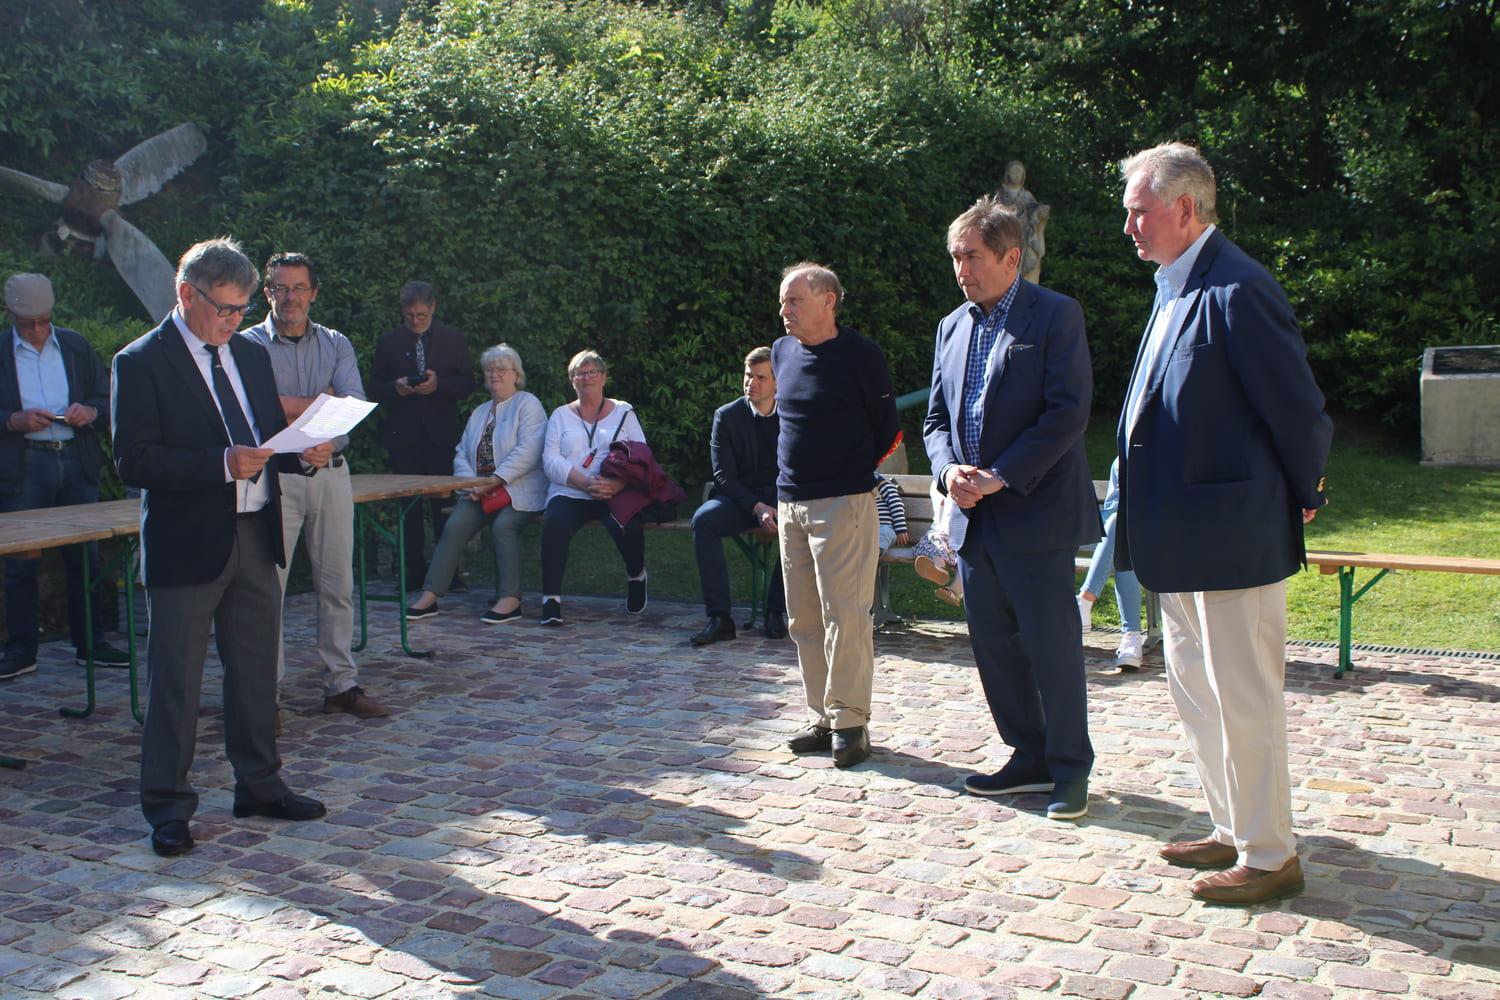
{"x": 54, "y": 401}
{"x": 420, "y": 372}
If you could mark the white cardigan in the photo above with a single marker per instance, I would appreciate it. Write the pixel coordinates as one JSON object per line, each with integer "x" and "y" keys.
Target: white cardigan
{"x": 568, "y": 445}
{"x": 520, "y": 427}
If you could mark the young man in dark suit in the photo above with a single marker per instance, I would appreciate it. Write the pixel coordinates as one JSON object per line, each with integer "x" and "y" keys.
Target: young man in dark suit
{"x": 53, "y": 399}
{"x": 1011, "y": 386}
{"x": 420, "y": 372}
{"x": 742, "y": 448}
{"x": 1222, "y": 444}
{"x": 193, "y": 402}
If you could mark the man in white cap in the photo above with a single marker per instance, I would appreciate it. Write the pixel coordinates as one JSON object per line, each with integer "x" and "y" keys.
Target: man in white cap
{"x": 54, "y": 399}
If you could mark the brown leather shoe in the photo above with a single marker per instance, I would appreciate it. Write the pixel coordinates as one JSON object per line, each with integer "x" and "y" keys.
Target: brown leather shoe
{"x": 1205, "y": 853}
{"x": 356, "y": 703}
{"x": 1245, "y": 886}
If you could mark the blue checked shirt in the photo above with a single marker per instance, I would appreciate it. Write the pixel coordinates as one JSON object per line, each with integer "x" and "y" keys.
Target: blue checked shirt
{"x": 977, "y": 372}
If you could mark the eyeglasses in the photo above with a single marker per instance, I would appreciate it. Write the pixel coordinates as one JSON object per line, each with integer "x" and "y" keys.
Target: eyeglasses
{"x": 33, "y": 323}
{"x": 224, "y": 311}
{"x": 586, "y": 374}
{"x": 493, "y": 375}
{"x": 279, "y": 290}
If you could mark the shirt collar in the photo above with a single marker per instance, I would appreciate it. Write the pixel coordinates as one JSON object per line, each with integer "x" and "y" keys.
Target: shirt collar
{"x": 763, "y": 416}
{"x": 51, "y": 340}
{"x": 1171, "y": 278}
{"x": 276, "y": 333}
{"x": 1001, "y": 308}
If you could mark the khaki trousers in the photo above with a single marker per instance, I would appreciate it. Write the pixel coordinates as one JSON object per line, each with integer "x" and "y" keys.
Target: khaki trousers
{"x": 829, "y": 550}
{"x": 320, "y": 508}
{"x": 1226, "y": 666}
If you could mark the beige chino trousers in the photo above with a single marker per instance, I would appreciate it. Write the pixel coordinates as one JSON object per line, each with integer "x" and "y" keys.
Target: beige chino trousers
{"x": 1226, "y": 669}
{"x": 829, "y": 550}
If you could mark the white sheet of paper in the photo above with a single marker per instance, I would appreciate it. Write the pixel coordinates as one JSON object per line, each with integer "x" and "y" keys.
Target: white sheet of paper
{"x": 327, "y": 418}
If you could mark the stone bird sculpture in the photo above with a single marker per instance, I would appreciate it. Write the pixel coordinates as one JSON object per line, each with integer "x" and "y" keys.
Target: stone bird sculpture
{"x": 90, "y": 215}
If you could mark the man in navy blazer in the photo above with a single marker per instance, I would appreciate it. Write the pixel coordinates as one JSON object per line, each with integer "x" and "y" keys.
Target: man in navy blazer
{"x": 53, "y": 399}
{"x": 742, "y": 451}
{"x": 1011, "y": 383}
{"x": 193, "y": 402}
{"x": 1223, "y": 443}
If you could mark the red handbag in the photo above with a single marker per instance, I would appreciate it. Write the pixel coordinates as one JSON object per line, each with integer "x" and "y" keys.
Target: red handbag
{"x": 495, "y": 500}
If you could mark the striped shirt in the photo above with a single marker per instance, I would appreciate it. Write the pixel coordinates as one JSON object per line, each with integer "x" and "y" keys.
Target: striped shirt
{"x": 888, "y": 505}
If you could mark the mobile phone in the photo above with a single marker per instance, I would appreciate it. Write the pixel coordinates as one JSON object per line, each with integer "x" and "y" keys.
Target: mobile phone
{"x": 417, "y": 379}
{"x": 58, "y": 418}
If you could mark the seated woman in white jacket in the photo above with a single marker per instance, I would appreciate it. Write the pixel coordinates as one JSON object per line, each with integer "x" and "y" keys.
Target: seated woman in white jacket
{"x": 503, "y": 440}
{"x": 578, "y": 437}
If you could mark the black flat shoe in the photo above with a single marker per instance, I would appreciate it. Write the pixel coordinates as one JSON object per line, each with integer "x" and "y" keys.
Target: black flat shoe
{"x": 412, "y": 614}
{"x": 493, "y": 617}
{"x": 775, "y": 625}
{"x": 172, "y": 838}
{"x": 290, "y": 807}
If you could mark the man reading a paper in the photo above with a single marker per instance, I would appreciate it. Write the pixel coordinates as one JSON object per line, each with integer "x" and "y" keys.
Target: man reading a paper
{"x": 309, "y": 359}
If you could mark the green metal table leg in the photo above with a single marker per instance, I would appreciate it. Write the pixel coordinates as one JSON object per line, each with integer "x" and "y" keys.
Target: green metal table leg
{"x": 88, "y": 643}
{"x": 359, "y": 551}
{"x": 399, "y": 539}
{"x": 1347, "y": 596}
{"x": 758, "y": 554}
{"x": 130, "y": 647}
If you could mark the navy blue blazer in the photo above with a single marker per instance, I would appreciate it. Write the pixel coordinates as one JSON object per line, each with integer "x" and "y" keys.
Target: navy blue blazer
{"x": 1230, "y": 441}
{"x": 1035, "y": 413}
{"x": 734, "y": 453}
{"x": 169, "y": 441}
{"x": 418, "y": 422}
{"x": 87, "y": 384}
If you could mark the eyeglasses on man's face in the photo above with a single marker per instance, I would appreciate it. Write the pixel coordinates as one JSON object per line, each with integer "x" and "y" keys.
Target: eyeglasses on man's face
{"x": 223, "y": 311}
{"x": 279, "y": 291}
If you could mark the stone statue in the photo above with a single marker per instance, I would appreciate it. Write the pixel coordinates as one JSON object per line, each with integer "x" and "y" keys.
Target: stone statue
{"x": 1034, "y": 216}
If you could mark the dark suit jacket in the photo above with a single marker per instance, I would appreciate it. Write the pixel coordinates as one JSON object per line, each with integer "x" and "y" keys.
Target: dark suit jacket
{"x": 1035, "y": 413}
{"x": 1230, "y": 441}
{"x": 734, "y": 451}
{"x": 417, "y": 423}
{"x": 170, "y": 440}
{"x": 87, "y": 384}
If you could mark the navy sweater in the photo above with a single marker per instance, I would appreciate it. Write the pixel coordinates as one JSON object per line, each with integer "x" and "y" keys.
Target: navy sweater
{"x": 838, "y": 415}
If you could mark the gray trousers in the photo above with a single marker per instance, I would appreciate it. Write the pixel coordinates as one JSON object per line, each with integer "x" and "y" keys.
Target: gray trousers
{"x": 243, "y": 607}
{"x": 321, "y": 509}
{"x": 463, "y": 524}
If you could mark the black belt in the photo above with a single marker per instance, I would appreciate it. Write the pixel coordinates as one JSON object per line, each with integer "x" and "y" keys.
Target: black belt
{"x": 337, "y": 461}
{"x": 49, "y": 445}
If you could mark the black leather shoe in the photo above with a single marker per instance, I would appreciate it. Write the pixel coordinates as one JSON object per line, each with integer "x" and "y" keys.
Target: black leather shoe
{"x": 851, "y": 746}
{"x": 172, "y": 838}
{"x": 718, "y": 629}
{"x": 775, "y": 625}
{"x": 813, "y": 739}
{"x": 290, "y": 806}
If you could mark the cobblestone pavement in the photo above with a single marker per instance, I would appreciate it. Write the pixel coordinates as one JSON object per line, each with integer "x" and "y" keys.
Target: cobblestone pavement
{"x": 604, "y": 811}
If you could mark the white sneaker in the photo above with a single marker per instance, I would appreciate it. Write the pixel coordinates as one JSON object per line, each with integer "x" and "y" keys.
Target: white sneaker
{"x": 1085, "y": 614}
{"x": 1128, "y": 656}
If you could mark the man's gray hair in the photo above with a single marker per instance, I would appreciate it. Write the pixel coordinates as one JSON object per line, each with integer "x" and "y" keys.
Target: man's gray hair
{"x": 759, "y": 356}
{"x": 1172, "y": 170}
{"x": 820, "y": 279}
{"x": 998, "y": 226}
{"x": 217, "y": 262}
{"x": 417, "y": 293}
{"x": 584, "y": 357}
{"x": 504, "y": 356}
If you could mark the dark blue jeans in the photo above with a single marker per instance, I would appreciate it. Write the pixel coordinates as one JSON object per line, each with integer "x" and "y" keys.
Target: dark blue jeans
{"x": 563, "y": 517}
{"x": 715, "y": 521}
{"x": 48, "y": 479}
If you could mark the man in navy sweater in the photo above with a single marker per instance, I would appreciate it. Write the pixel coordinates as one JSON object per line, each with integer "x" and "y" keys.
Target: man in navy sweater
{"x": 838, "y": 420}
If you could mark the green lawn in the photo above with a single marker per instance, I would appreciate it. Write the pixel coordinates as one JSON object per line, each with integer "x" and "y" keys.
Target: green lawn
{"x": 1380, "y": 502}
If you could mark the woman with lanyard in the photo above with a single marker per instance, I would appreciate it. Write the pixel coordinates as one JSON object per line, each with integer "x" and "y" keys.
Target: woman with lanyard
{"x": 578, "y": 438}
{"x": 503, "y": 440}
